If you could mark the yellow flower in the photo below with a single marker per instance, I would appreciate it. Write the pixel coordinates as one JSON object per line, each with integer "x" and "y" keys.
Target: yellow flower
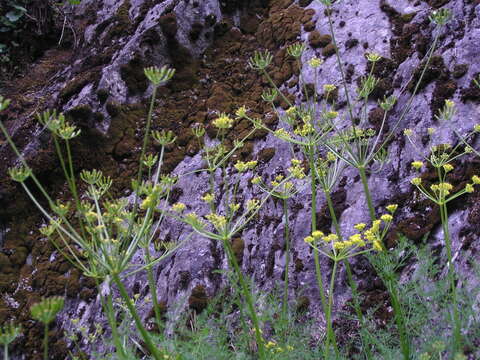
{"x": 282, "y": 133}
{"x": 331, "y": 156}
{"x": 178, "y": 207}
{"x": 416, "y": 181}
{"x": 449, "y": 103}
{"x": 315, "y": 62}
{"x": 256, "y": 180}
{"x": 476, "y": 128}
{"x": 331, "y": 115}
{"x": 219, "y": 221}
{"x": 317, "y": 234}
{"x": 241, "y": 166}
{"x": 430, "y": 131}
{"x": 386, "y": 218}
{"x": 408, "y": 132}
{"x": 377, "y": 245}
{"x": 291, "y": 111}
{"x": 360, "y": 226}
{"x": 241, "y": 112}
{"x": 223, "y": 122}
{"x": 339, "y": 245}
{"x": 208, "y": 198}
{"x": 252, "y": 204}
{"x": 296, "y": 171}
{"x": 417, "y": 165}
{"x": 309, "y": 239}
{"x": 270, "y": 344}
{"x": 469, "y": 188}
{"x": 392, "y": 208}
{"x": 329, "y": 88}
{"x": 447, "y": 167}
{"x": 330, "y": 238}
{"x": 373, "y": 57}
{"x": 354, "y": 239}
{"x": 191, "y": 217}
{"x": 476, "y": 180}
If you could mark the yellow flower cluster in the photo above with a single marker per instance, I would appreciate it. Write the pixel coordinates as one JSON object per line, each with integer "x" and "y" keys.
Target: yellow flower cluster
{"x": 443, "y": 188}
{"x": 373, "y": 235}
{"x": 252, "y": 204}
{"x": 329, "y": 88}
{"x": 243, "y": 166}
{"x": 208, "y": 198}
{"x": 291, "y": 111}
{"x": 331, "y": 115}
{"x": 315, "y": 62}
{"x": 296, "y": 170}
{"x": 282, "y": 134}
{"x": 447, "y": 167}
{"x": 416, "y": 181}
{"x": 256, "y": 180}
{"x": 178, "y": 207}
{"x": 304, "y": 130}
{"x": 223, "y": 122}
{"x": 417, "y": 165}
{"x": 218, "y": 221}
{"x": 241, "y": 112}
{"x": 275, "y": 348}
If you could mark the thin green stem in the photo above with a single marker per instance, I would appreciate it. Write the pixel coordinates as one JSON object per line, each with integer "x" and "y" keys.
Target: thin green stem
{"x": 451, "y": 275}
{"x": 113, "y": 324}
{"x": 153, "y": 287}
{"x": 45, "y": 341}
{"x": 400, "y": 320}
{"x": 351, "y": 282}
{"x": 138, "y": 322}
{"x": 340, "y": 65}
{"x": 248, "y": 298}
{"x": 287, "y": 258}
{"x": 366, "y": 190}
{"x": 5, "y": 352}
{"x": 330, "y": 333}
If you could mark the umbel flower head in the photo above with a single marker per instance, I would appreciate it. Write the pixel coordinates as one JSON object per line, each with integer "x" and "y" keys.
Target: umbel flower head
{"x": 19, "y": 173}
{"x": 334, "y": 247}
{"x": 46, "y": 310}
{"x": 157, "y": 75}
{"x": 223, "y": 122}
{"x": 8, "y": 333}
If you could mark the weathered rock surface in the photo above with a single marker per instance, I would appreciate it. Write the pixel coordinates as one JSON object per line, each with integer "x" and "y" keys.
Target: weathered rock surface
{"x": 101, "y": 87}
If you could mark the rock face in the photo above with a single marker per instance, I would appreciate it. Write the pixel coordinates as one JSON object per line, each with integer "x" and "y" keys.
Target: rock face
{"x": 100, "y": 86}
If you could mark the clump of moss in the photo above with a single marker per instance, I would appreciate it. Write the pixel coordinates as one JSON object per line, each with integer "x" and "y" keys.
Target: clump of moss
{"x": 436, "y": 70}
{"x": 132, "y": 74}
{"x": 76, "y": 85}
{"x": 198, "y": 299}
{"x": 123, "y": 24}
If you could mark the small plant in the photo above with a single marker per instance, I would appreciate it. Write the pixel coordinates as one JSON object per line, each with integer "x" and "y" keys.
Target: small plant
{"x": 283, "y": 192}
{"x": 8, "y": 333}
{"x": 441, "y": 158}
{"x": 46, "y": 311}
{"x": 339, "y": 250}
{"x": 109, "y": 231}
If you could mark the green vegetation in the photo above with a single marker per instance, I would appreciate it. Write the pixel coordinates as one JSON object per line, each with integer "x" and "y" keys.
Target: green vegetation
{"x": 100, "y": 235}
